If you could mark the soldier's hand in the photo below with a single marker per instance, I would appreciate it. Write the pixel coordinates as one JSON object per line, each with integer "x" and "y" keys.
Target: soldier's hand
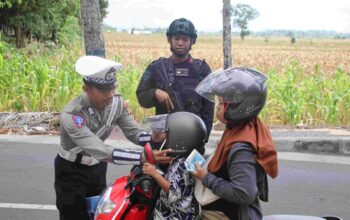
{"x": 163, "y": 97}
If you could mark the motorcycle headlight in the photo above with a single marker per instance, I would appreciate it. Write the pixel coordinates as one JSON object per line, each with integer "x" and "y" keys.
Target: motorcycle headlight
{"x": 105, "y": 205}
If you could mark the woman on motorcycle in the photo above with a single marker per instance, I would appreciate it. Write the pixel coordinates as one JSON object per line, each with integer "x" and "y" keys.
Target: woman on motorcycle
{"x": 237, "y": 171}
{"x": 185, "y": 131}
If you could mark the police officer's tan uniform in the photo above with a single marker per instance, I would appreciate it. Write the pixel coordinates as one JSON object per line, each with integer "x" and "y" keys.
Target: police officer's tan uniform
{"x": 80, "y": 166}
{"x": 84, "y": 129}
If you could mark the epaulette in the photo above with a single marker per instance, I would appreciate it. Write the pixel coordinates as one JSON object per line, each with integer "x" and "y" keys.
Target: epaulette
{"x": 199, "y": 62}
{"x": 160, "y": 60}
{"x": 74, "y": 107}
{"x": 119, "y": 96}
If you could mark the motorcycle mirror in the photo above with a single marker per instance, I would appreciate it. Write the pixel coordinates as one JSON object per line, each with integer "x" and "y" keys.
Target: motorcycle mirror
{"x": 149, "y": 154}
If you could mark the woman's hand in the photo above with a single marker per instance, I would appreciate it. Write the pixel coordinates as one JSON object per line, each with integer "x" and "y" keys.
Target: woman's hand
{"x": 200, "y": 172}
{"x": 149, "y": 169}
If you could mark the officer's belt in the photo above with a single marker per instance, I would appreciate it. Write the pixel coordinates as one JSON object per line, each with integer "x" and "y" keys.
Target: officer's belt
{"x": 72, "y": 157}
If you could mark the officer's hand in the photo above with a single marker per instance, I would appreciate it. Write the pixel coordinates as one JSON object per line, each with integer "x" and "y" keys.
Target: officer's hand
{"x": 163, "y": 97}
{"x": 161, "y": 156}
{"x": 200, "y": 172}
{"x": 158, "y": 137}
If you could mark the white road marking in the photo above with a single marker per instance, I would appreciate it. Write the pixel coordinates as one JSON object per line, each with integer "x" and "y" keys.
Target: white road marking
{"x": 319, "y": 158}
{"x": 307, "y": 157}
{"x": 27, "y": 206}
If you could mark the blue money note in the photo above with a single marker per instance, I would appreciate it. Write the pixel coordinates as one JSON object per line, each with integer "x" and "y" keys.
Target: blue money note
{"x": 192, "y": 159}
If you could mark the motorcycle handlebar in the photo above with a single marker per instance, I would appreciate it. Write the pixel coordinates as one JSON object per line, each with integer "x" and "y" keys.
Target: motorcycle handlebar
{"x": 146, "y": 185}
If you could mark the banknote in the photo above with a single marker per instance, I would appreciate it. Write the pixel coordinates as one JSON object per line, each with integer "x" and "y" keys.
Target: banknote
{"x": 193, "y": 158}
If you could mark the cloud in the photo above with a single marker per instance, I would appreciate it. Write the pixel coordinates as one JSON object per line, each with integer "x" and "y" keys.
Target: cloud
{"x": 137, "y": 13}
{"x": 346, "y": 13}
{"x": 206, "y": 15}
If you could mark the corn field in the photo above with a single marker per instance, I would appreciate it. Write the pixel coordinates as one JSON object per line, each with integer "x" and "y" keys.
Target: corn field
{"x": 309, "y": 81}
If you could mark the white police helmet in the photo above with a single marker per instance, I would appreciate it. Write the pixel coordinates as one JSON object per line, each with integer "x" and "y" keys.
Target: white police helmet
{"x": 98, "y": 71}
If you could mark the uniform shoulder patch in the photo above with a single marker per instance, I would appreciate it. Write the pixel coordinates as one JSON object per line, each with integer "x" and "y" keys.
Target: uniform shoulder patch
{"x": 78, "y": 120}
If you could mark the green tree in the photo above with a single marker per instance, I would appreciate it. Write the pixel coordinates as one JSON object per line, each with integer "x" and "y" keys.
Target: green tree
{"x": 92, "y": 28}
{"x": 226, "y": 15}
{"x": 42, "y": 19}
{"x": 103, "y": 8}
{"x": 242, "y": 14}
{"x": 5, "y": 3}
{"x": 292, "y": 36}
{"x": 39, "y": 19}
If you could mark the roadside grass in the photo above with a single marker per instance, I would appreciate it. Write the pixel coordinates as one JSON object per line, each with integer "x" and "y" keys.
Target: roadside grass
{"x": 309, "y": 83}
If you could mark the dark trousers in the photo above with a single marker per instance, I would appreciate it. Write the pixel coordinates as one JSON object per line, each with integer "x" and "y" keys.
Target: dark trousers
{"x": 73, "y": 183}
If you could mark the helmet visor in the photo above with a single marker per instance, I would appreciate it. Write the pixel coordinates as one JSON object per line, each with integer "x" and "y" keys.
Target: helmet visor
{"x": 230, "y": 84}
{"x": 206, "y": 87}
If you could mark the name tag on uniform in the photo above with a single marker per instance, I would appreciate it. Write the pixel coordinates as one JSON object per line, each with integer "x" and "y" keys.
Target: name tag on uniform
{"x": 182, "y": 72}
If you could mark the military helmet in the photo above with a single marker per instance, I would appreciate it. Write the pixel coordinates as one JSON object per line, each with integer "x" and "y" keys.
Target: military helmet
{"x": 243, "y": 89}
{"x": 182, "y": 26}
{"x": 185, "y": 132}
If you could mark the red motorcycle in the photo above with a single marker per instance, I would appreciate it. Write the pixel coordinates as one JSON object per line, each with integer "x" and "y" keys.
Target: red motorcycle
{"x": 129, "y": 197}
{"x": 134, "y": 197}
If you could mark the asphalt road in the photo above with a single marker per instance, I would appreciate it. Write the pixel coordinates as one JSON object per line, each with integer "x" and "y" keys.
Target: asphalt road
{"x": 308, "y": 184}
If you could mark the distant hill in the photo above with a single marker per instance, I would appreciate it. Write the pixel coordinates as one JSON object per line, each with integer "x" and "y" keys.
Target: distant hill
{"x": 264, "y": 33}
{"x": 290, "y": 33}
{"x": 301, "y": 34}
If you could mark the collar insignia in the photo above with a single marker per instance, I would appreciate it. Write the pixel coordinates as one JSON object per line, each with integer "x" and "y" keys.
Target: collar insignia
{"x": 91, "y": 111}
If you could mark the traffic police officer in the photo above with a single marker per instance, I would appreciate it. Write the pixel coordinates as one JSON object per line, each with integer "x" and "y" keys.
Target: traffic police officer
{"x": 168, "y": 84}
{"x": 81, "y": 163}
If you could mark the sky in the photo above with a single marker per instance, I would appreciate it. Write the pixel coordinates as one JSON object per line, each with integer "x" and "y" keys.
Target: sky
{"x": 333, "y": 15}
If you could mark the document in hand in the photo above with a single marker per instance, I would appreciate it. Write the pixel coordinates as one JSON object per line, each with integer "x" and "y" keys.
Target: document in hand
{"x": 194, "y": 157}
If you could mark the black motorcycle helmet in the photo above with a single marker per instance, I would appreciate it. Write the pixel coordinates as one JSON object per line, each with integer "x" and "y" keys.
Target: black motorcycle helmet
{"x": 244, "y": 90}
{"x": 185, "y": 132}
{"x": 184, "y": 27}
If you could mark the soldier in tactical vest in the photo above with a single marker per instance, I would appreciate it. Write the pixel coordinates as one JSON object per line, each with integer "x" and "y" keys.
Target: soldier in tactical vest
{"x": 168, "y": 84}
{"x": 85, "y": 123}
